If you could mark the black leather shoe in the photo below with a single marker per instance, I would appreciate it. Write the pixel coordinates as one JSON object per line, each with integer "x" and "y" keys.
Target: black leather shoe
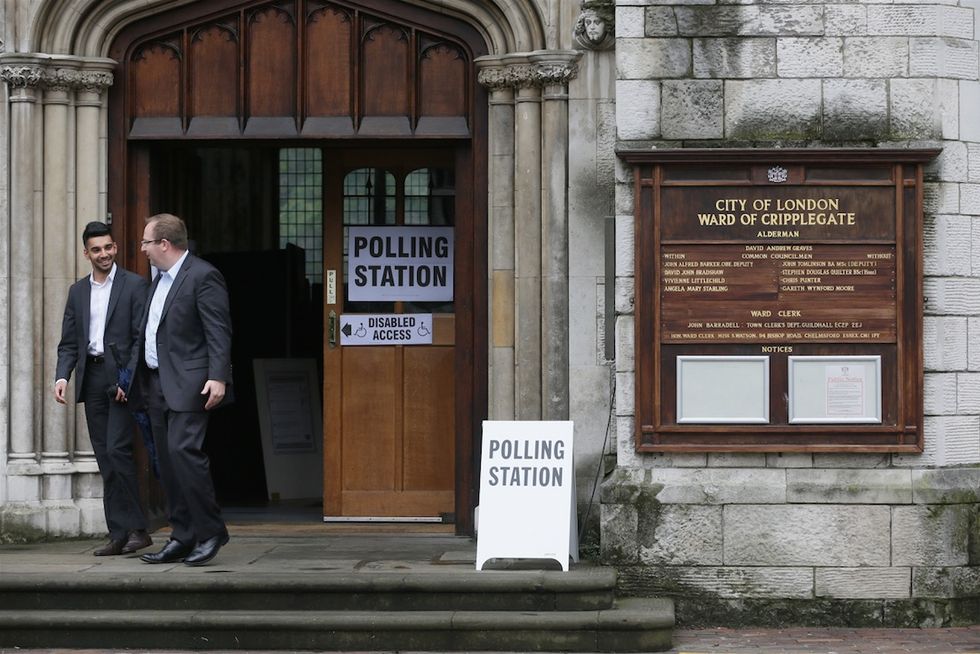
{"x": 173, "y": 552}
{"x": 206, "y": 549}
{"x": 138, "y": 539}
{"x": 112, "y": 548}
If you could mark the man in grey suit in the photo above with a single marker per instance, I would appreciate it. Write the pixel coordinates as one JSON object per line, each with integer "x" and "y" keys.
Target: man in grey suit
{"x": 184, "y": 368}
{"x": 102, "y": 318}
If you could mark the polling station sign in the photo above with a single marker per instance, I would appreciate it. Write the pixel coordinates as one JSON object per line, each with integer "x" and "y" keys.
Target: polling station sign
{"x": 527, "y": 492}
{"x": 405, "y": 263}
{"x": 386, "y": 329}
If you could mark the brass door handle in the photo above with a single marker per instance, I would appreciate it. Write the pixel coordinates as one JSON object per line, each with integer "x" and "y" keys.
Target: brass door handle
{"x": 332, "y": 329}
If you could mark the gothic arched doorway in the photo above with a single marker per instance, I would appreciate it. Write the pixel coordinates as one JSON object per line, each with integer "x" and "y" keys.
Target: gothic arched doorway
{"x": 274, "y": 127}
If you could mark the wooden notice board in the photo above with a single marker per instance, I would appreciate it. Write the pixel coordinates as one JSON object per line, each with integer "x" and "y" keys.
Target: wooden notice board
{"x": 779, "y": 300}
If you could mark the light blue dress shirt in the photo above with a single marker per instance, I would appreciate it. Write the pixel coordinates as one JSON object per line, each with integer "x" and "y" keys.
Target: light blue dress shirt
{"x": 156, "y": 311}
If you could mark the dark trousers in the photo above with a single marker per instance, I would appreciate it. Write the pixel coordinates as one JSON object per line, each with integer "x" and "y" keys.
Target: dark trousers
{"x": 111, "y": 427}
{"x": 184, "y": 467}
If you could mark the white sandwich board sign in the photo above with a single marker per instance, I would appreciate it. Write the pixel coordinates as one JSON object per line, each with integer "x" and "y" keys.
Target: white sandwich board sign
{"x": 527, "y": 492}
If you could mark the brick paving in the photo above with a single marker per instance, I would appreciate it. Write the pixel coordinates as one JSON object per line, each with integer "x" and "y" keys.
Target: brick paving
{"x": 959, "y": 640}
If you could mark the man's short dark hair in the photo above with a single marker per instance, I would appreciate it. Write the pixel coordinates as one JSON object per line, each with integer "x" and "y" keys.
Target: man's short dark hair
{"x": 94, "y": 229}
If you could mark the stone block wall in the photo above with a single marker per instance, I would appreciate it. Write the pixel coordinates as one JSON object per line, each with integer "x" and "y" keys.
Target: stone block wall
{"x": 811, "y": 538}
{"x": 778, "y": 545}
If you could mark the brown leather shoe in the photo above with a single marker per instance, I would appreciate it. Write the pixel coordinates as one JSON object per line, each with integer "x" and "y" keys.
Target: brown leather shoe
{"x": 138, "y": 539}
{"x": 112, "y": 548}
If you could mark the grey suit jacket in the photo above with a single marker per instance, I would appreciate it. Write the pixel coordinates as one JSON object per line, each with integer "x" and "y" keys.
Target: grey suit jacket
{"x": 122, "y": 326}
{"x": 194, "y": 336}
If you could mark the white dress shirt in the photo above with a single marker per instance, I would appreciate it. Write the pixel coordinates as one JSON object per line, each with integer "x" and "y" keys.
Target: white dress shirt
{"x": 98, "y": 311}
{"x": 156, "y": 311}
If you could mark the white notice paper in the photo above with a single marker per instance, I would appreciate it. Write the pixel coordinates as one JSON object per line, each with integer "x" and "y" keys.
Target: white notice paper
{"x": 845, "y": 391}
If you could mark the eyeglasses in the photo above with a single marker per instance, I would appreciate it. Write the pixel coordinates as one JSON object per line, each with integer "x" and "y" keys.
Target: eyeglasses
{"x": 145, "y": 242}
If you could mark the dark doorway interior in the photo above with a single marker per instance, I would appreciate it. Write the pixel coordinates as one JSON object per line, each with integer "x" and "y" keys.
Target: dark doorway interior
{"x": 230, "y": 198}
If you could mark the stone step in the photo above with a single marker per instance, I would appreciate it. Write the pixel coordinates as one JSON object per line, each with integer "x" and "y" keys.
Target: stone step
{"x": 631, "y": 625}
{"x": 583, "y": 588}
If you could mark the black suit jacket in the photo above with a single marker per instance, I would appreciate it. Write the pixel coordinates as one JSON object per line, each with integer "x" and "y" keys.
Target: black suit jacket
{"x": 194, "y": 336}
{"x": 126, "y": 307}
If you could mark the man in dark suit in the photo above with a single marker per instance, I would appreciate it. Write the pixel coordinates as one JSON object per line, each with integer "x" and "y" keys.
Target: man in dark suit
{"x": 102, "y": 318}
{"x": 184, "y": 368}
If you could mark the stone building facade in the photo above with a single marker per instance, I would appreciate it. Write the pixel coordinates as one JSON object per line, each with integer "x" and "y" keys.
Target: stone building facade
{"x": 755, "y": 537}
{"x": 870, "y": 539}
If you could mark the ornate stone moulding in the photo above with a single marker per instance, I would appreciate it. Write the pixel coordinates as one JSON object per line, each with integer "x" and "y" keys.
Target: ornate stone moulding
{"x": 534, "y": 69}
{"x": 55, "y": 74}
{"x": 21, "y": 76}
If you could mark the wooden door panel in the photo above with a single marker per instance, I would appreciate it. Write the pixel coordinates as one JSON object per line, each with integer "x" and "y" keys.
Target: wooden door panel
{"x": 371, "y": 410}
{"x": 214, "y": 72}
{"x": 328, "y": 63}
{"x": 272, "y": 63}
{"x": 385, "y": 71}
{"x": 429, "y": 453}
{"x": 405, "y": 503}
{"x": 156, "y": 81}
{"x": 442, "y": 71}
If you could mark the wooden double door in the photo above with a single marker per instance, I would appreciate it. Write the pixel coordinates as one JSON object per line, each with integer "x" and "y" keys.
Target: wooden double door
{"x": 397, "y": 419}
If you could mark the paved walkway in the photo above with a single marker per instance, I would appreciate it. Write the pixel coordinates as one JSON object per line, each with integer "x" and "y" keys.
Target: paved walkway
{"x": 298, "y": 548}
{"x": 828, "y": 641}
{"x": 757, "y": 641}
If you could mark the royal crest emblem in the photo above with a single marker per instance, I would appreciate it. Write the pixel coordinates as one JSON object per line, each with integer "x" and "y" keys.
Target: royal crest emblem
{"x": 778, "y": 174}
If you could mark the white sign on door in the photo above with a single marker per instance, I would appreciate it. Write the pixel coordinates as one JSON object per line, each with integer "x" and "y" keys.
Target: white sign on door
{"x": 527, "y": 492}
{"x": 391, "y": 264}
{"x": 386, "y": 329}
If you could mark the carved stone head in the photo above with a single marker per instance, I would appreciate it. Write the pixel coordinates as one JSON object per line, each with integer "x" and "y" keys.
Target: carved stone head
{"x": 595, "y": 28}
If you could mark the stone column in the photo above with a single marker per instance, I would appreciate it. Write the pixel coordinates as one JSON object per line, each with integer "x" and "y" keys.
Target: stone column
{"x": 23, "y": 76}
{"x": 42, "y": 479}
{"x": 527, "y": 239}
{"x": 501, "y": 233}
{"x": 529, "y": 232}
{"x": 554, "y": 69}
{"x": 90, "y": 86}
{"x": 94, "y": 79}
{"x": 57, "y": 269}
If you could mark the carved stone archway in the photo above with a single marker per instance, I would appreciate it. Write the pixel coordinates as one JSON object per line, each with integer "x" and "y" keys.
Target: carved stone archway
{"x": 56, "y": 155}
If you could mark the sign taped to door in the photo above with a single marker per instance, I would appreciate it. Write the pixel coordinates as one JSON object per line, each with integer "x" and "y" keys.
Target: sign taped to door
{"x": 392, "y": 264}
{"x": 386, "y": 329}
{"x": 527, "y": 492}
